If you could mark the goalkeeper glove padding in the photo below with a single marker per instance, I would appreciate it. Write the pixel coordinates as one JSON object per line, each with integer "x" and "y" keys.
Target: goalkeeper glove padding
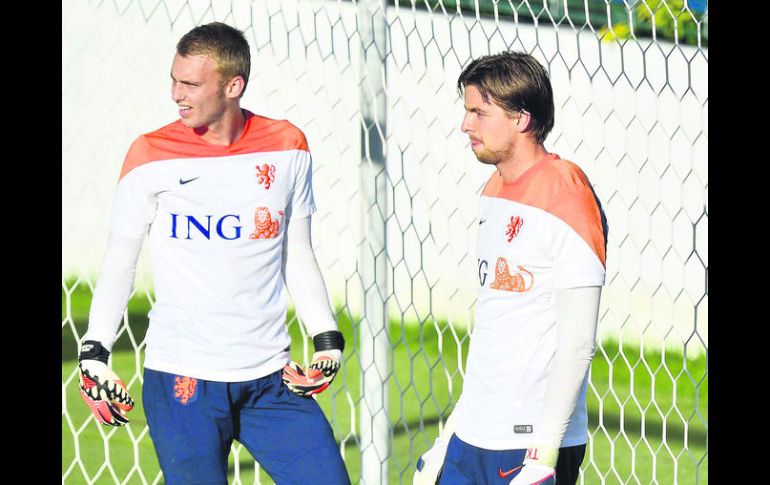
{"x": 102, "y": 390}
{"x": 539, "y": 467}
{"x": 321, "y": 371}
{"x": 431, "y": 463}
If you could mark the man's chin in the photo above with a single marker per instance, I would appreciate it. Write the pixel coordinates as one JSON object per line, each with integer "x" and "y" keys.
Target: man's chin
{"x": 485, "y": 159}
{"x": 199, "y": 128}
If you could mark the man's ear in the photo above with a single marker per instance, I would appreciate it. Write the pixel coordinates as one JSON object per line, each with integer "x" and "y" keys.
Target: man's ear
{"x": 523, "y": 121}
{"x": 235, "y": 86}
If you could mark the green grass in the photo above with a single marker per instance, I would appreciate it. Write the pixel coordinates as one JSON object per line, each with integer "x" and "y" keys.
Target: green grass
{"x": 648, "y": 411}
{"x": 648, "y": 417}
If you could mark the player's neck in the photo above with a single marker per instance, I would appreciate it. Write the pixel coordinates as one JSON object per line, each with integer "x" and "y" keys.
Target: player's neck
{"x": 524, "y": 156}
{"x": 227, "y": 130}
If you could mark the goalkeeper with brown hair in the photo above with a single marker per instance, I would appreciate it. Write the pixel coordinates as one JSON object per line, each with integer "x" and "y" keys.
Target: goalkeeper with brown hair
{"x": 521, "y": 418}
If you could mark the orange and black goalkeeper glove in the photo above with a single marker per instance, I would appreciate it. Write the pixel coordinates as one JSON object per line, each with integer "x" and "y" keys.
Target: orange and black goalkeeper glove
{"x": 102, "y": 390}
{"x": 321, "y": 371}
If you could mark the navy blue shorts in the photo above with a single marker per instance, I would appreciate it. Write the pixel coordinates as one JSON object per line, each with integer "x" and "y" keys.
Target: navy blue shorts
{"x": 194, "y": 422}
{"x": 466, "y": 464}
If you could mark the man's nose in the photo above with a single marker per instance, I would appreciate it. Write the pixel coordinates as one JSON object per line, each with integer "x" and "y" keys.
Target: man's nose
{"x": 465, "y": 126}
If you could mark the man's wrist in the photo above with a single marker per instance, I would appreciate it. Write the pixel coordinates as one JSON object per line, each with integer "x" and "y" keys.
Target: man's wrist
{"x": 542, "y": 454}
{"x": 93, "y": 350}
{"x": 329, "y": 340}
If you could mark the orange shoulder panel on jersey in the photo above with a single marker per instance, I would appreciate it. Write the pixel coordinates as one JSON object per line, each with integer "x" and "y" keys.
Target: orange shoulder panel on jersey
{"x": 558, "y": 187}
{"x": 175, "y": 141}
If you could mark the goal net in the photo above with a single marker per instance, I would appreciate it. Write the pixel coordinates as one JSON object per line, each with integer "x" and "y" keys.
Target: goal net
{"x": 372, "y": 83}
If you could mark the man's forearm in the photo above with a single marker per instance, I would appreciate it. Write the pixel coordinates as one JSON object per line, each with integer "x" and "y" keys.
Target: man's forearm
{"x": 304, "y": 280}
{"x": 113, "y": 289}
{"x": 577, "y": 311}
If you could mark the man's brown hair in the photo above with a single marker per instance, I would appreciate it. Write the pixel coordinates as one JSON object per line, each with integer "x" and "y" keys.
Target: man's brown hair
{"x": 516, "y": 82}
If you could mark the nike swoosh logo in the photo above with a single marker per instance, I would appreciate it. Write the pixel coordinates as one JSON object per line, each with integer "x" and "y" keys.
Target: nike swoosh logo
{"x": 482, "y": 221}
{"x": 182, "y": 182}
{"x": 503, "y": 474}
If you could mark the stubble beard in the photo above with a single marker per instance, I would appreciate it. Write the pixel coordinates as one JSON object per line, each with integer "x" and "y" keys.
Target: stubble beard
{"x": 487, "y": 158}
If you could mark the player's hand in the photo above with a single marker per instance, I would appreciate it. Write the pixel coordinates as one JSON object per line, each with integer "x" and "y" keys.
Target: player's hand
{"x": 327, "y": 357}
{"x": 299, "y": 383}
{"x": 102, "y": 390}
{"x": 539, "y": 467}
{"x": 327, "y": 363}
{"x": 323, "y": 368}
{"x": 318, "y": 376}
{"x": 431, "y": 462}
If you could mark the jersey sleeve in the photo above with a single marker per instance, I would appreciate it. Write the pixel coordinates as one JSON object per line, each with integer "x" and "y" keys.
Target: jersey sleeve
{"x": 302, "y": 202}
{"x": 578, "y": 240}
{"x": 134, "y": 206}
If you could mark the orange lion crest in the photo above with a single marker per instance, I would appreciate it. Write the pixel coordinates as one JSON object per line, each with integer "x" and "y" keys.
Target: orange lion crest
{"x": 265, "y": 226}
{"x": 506, "y": 281}
{"x": 266, "y": 174}
{"x": 184, "y": 388}
{"x": 513, "y": 227}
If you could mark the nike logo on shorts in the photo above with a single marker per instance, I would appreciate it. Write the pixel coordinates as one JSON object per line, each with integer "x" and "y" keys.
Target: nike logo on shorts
{"x": 182, "y": 182}
{"x": 503, "y": 474}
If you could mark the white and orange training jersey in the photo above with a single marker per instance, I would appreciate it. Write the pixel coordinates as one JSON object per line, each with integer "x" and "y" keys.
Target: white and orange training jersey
{"x": 541, "y": 233}
{"x": 217, "y": 221}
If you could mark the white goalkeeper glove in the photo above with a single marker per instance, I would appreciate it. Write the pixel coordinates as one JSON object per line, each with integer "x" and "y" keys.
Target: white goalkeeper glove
{"x": 539, "y": 467}
{"x": 321, "y": 371}
{"x": 431, "y": 463}
{"x": 102, "y": 390}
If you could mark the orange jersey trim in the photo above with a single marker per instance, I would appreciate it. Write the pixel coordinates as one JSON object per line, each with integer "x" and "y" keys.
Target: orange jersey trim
{"x": 558, "y": 187}
{"x": 178, "y": 141}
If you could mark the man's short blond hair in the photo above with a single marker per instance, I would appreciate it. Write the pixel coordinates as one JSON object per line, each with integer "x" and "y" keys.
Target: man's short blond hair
{"x": 225, "y": 45}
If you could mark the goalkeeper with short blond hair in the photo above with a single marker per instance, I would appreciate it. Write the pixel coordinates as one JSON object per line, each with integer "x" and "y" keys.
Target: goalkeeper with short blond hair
{"x": 226, "y": 198}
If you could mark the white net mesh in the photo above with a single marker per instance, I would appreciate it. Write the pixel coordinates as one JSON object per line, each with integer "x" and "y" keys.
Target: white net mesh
{"x": 372, "y": 85}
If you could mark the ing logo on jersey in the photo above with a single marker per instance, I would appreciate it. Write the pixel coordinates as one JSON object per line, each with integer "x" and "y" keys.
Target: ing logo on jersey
{"x": 506, "y": 281}
{"x": 264, "y": 225}
{"x": 513, "y": 227}
{"x": 265, "y": 174}
{"x": 184, "y": 389}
